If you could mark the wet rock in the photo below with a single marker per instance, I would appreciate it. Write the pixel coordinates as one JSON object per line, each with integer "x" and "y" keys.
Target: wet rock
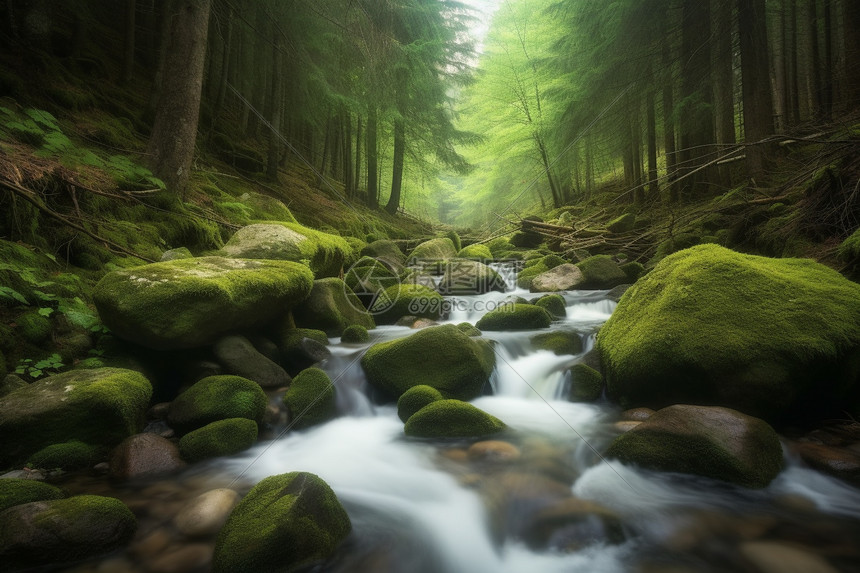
{"x": 561, "y": 278}
{"x": 240, "y": 358}
{"x": 423, "y": 323}
{"x": 601, "y": 272}
{"x": 775, "y": 557}
{"x": 217, "y": 398}
{"x": 452, "y": 419}
{"x": 617, "y": 292}
{"x": 637, "y": 414}
{"x": 572, "y": 524}
{"x": 332, "y": 307}
{"x": 838, "y": 462}
{"x": 16, "y": 491}
{"x": 302, "y": 348}
{"x": 145, "y": 456}
{"x": 516, "y": 317}
{"x": 10, "y": 383}
{"x": 310, "y": 399}
{"x": 387, "y": 252}
{"x": 151, "y": 544}
{"x": 221, "y": 438}
{"x": 493, "y": 451}
{"x": 206, "y": 514}
{"x": 158, "y": 411}
{"x": 185, "y": 558}
{"x": 464, "y": 277}
{"x": 625, "y": 425}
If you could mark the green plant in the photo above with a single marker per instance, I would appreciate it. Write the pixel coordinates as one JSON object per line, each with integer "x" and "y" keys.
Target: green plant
{"x": 35, "y": 369}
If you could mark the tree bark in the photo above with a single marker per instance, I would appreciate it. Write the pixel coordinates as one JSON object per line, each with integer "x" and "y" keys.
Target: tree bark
{"x": 827, "y": 68}
{"x": 851, "y": 11}
{"x": 372, "y": 159}
{"x": 758, "y": 106}
{"x": 358, "y": 146}
{"x": 171, "y": 145}
{"x": 651, "y": 118}
{"x": 225, "y": 67}
{"x": 397, "y": 171}
{"x": 669, "y": 125}
{"x": 128, "y": 64}
{"x": 724, "y": 81}
{"x": 275, "y": 111}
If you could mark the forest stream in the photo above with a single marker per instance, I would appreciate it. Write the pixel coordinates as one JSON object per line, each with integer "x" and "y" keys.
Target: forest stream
{"x": 430, "y": 506}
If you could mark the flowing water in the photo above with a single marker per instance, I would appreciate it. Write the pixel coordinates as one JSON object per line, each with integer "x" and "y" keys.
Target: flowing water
{"x": 427, "y": 506}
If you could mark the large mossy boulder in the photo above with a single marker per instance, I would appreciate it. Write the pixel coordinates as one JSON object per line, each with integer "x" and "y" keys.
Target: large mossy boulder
{"x": 399, "y": 300}
{"x": 600, "y": 272}
{"x": 442, "y": 357}
{"x": 217, "y": 398}
{"x": 623, "y": 224}
{"x": 416, "y": 398}
{"x": 190, "y": 303}
{"x": 515, "y": 317}
{"x": 67, "y": 456}
{"x": 61, "y": 531}
{"x": 464, "y": 277}
{"x": 536, "y": 266}
{"x": 452, "y": 419}
{"x": 440, "y": 249}
{"x": 387, "y": 252}
{"x": 221, "y": 438}
{"x": 477, "y": 252}
{"x": 310, "y": 399}
{"x": 20, "y": 491}
{"x": 331, "y": 307}
{"x": 774, "y": 338}
{"x": 325, "y": 253}
{"x": 288, "y": 522}
{"x": 101, "y": 406}
{"x": 714, "y": 442}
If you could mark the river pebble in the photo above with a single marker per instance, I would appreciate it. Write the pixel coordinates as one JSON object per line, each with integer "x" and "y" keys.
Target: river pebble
{"x": 206, "y": 514}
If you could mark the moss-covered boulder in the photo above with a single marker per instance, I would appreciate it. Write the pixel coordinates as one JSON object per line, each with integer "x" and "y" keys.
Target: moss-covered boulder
{"x": 601, "y": 272}
{"x": 302, "y": 348}
{"x": 189, "y": 303}
{"x": 355, "y": 334}
{"x": 20, "y": 491}
{"x": 452, "y": 419}
{"x": 325, "y": 253}
{"x": 477, "y": 252}
{"x": 331, "y": 307}
{"x": 440, "y": 356}
{"x": 440, "y": 249}
{"x": 368, "y": 277}
{"x": 714, "y": 442}
{"x": 515, "y": 317}
{"x": 221, "y": 438}
{"x": 63, "y": 530}
{"x": 468, "y": 329}
{"x": 33, "y": 327}
{"x": 286, "y": 522}
{"x": 416, "y": 398}
{"x": 464, "y": 276}
{"x": 217, "y": 398}
{"x": 632, "y": 271}
{"x": 535, "y": 267}
{"x": 586, "y": 383}
{"x": 407, "y": 300}
{"x": 561, "y": 278}
{"x": 68, "y": 456}
{"x": 102, "y": 406}
{"x": 623, "y": 224}
{"x": 310, "y": 399}
{"x": 553, "y": 304}
{"x": 387, "y": 252}
{"x": 175, "y": 254}
{"x": 775, "y": 338}
{"x": 559, "y": 342}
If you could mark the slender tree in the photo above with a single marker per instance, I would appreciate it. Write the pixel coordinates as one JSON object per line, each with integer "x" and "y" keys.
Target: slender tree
{"x": 758, "y": 106}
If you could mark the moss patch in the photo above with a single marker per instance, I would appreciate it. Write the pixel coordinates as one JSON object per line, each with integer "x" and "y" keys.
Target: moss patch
{"x": 586, "y": 383}
{"x": 355, "y": 334}
{"x": 311, "y": 399}
{"x": 434, "y": 250}
{"x": 20, "y": 491}
{"x": 221, "y": 438}
{"x": 476, "y": 252}
{"x": 601, "y": 272}
{"x": 623, "y": 224}
{"x": 217, "y": 398}
{"x": 33, "y": 327}
{"x": 452, "y": 419}
{"x": 553, "y": 304}
{"x": 407, "y": 300}
{"x": 68, "y": 456}
{"x": 559, "y": 342}
{"x": 332, "y": 307}
{"x": 468, "y": 329}
{"x": 515, "y": 317}
{"x": 535, "y": 267}
{"x": 416, "y": 398}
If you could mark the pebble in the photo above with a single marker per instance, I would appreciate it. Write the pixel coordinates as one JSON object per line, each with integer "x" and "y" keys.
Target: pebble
{"x": 493, "y": 451}
{"x": 184, "y": 559}
{"x": 205, "y": 514}
{"x": 152, "y": 544}
{"x": 776, "y": 557}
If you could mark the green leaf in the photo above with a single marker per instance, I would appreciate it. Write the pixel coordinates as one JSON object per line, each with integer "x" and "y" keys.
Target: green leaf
{"x": 9, "y": 293}
{"x": 35, "y": 373}
{"x": 46, "y": 311}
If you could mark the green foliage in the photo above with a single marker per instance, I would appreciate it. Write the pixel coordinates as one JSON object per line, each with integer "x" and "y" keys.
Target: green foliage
{"x": 38, "y": 368}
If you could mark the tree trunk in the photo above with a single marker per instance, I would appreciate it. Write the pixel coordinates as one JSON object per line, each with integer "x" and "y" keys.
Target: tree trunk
{"x": 777, "y": 36}
{"x": 348, "y": 181}
{"x": 171, "y": 145}
{"x": 225, "y": 68}
{"x": 669, "y": 125}
{"x": 791, "y": 53}
{"x": 128, "y": 64}
{"x": 851, "y": 11}
{"x": 164, "y": 25}
{"x": 589, "y": 170}
{"x": 275, "y": 111}
{"x": 358, "y": 146}
{"x": 372, "y": 158}
{"x": 813, "y": 63}
{"x": 758, "y": 106}
{"x": 651, "y": 118}
{"x": 724, "y": 81}
{"x": 397, "y": 172}
{"x": 827, "y": 68}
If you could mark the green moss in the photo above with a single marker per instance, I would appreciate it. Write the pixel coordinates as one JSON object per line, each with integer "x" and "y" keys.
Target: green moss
{"x": 559, "y": 342}
{"x": 311, "y": 399}
{"x": 33, "y": 327}
{"x": 434, "y": 250}
{"x": 369, "y": 276}
{"x": 291, "y": 337}
{"x": 586, "y": 383}
{"x": 416, "y": 398}
{"x": 477, "y": 252}
{"x": 331, "y": 307}
{"x": 452, "y": 419}
{"x": 455, "y": 239}
{"x": 849, "y": 250}
{"x": 500, "y": 246}
{"x": 709, "y": 325}
{"x": 20, "y": 491}
{"x": 216, "y": 398}
{"x": 355, "y": 334}
{"x": 407, "y": 300}
{"x": 553, "y": 304}
{"x": 535, "y": 267}
{"x": 384, "y": 250}
{"x": 99, "y": 407}
{"x": 221, "y": 438}
{"x": 515, "y": 317}
{"x": 623, "y": 224}
{"x": 286, "y": 523}
{"x": 632, "y": 271}
{"x": 468, "y": 329}
{"x": 601, "y": 272}
{"x": 69, "y": 456}
{"x": 673, "y": 245}
{"x": 441, "y": 357}
{"x": 192, "y": 302}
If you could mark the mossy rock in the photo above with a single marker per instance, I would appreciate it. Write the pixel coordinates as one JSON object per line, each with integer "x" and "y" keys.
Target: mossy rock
{"x": 718, "y": 443}
{"x": 455, "y": 238}
{"x": 221, "y": 438}
{"x": 20, "y": 491}
{"x": 407, "y": 300}
{"x": 33, "y": 327}
{"x": 192, "y": 302}
{"x": 331, "y": 307}
{"x": 301, "y": 348}
{"x": 560, "y": 342}
{"x": 515, "y": 317}
{"x": 601, "y": 273}
{"x": 468, "y": 329}
{"x": 441, "y": 357}
{"x": 849, "y": 250}
{"x": 586, "y": 383}
{"x": 416, "y": 398}
{"x": 217, "y": 398}
{"x": 284, "y": 241}
{"x": 68, "y": 456}
{"x": 632, "y": 270}
{"x": 368, "y": 277}
{"x": 526, "y": 240}
{"x": 310, "y": 399}
{"x": 452, "y": 419}
{"x": 355, "y": 334}
{"x": 440, "y": 249}
{"x": 286, "y": 522}
{"x": 677, "y": 243}
{"x": 464, "y": 277}
{"x": 100, "y": 407}
{"x": 387, "y": 252}
{"x": 623, "y": 224}
{"x": 553, "y": 304}
{"x": 477, "y": 252}
{"x": 784, "y": 346}
{"x": 535, "y": 267}
{"x": 499, "y": 247}
{"x": 176, "y": 254}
